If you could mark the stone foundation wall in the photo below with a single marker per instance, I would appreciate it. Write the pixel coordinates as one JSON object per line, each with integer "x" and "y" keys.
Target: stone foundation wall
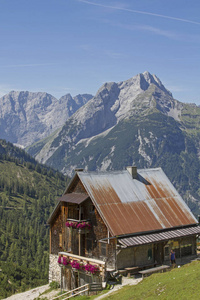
{"x": 54, "y": 268}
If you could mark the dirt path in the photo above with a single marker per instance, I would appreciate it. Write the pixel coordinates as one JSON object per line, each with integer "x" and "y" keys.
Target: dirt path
{"x": 36, "y": 292}
{"x": 125, "y": 281}
{"x": 29, "y": 295}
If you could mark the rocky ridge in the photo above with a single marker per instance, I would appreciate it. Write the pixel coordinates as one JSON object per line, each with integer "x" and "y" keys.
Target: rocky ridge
{"x": 26, "y": 117}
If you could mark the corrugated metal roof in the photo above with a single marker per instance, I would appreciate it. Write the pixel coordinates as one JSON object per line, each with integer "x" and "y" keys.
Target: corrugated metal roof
{"x": 129, "y": 205}
{"x": 157, "y": 237}
{"x": 76, "y": 198}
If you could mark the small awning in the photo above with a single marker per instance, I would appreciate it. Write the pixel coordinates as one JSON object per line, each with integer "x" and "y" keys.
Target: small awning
{"x": 158, "y": 237}
{"x": 76, "y": 198}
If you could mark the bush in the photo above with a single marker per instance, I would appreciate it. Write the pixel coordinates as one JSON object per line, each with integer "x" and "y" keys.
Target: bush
{"x": 54, "y": 285}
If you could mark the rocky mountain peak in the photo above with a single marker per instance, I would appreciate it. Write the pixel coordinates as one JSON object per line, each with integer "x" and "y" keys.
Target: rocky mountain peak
{"x": 82, "y": 99}
{"x": 143, "y": 80}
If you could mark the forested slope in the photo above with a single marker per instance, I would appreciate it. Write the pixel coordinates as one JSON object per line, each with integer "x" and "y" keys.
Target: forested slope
{"x": 28, "y": 192}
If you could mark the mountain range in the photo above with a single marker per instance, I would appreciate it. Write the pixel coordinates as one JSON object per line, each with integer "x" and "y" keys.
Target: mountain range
{"x": 27, "y": 117}
{"x": 133, "y": 122}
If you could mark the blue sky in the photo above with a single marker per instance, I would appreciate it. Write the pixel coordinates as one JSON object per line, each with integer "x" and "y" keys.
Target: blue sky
{"x": 74, "y": 46}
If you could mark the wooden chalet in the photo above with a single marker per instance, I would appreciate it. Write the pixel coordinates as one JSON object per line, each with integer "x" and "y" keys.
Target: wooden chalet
{"x": 117, "y": 221}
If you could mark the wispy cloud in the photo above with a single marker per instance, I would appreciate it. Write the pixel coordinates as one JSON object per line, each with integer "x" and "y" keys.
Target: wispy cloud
{"x": 140, "y": 12}
{"x": 113, "y": 54}
{"x": 93, "y": 50}
{"x": 147, "y": 28}
{"x": 158, "y": 31}
{"x": 26, "y": 65}
{"x": 152, "y": 29}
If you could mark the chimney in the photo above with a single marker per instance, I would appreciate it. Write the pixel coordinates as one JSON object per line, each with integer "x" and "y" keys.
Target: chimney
{"x": 78, "y": 170}
{"x": 133, "y": 171}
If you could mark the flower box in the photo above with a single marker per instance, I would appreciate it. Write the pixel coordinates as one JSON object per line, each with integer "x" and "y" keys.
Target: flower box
{"x": 78, "y": 225}
{"x": 78, "y": 266}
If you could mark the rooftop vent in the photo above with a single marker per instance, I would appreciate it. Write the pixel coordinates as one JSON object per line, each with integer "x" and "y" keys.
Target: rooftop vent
{"x": 133, "y": 171}
{"x": 78, "y": 170}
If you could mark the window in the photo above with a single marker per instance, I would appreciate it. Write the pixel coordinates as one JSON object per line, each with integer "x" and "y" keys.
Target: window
{"x": 89, "y": 245}
{"x": 149, "y": 253}
{"x": 92, "y": 208}
{"x": 167, "y": 251}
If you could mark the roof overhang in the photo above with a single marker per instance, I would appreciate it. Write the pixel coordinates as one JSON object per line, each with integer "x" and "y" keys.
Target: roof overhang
{"x": 150, "y": 238}
{"x": 75, "y": 198}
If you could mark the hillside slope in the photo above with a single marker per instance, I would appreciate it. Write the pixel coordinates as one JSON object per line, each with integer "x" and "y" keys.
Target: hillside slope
{"x": 179, "y": 283}
{"x": 28, "y": 193}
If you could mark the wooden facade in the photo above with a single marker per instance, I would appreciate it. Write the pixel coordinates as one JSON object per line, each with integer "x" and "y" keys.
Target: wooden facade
{"x": 97, "y": 246}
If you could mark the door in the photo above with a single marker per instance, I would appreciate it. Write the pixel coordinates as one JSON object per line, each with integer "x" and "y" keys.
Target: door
{"x": 158, "y": 253}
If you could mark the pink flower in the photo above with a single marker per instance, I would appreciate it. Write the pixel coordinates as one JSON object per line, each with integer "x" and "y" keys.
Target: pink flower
{"x": 84, "y": 225}
{"x": 59, "y": 260}
{"x": 91, "y": 268}
{"x": 81, "y": 225}
{"x": 77, "y": 265}
{"x": 65, "y": 261}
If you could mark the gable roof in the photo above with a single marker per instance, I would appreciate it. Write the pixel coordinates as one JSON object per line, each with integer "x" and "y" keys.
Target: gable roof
{"x": 128, "y": 206}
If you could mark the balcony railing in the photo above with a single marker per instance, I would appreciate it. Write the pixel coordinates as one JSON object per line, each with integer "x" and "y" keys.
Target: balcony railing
{"x": 72, "y": 259}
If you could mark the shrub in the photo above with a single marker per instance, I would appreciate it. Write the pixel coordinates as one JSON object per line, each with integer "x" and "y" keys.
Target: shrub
{"x": 54, "y": 285}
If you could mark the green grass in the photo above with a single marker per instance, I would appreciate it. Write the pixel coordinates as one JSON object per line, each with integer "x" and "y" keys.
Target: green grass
{"x": 179, "y": 283}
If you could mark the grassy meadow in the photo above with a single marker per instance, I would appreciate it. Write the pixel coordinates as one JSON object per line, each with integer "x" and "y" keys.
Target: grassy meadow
{"x": 180, "y": 283}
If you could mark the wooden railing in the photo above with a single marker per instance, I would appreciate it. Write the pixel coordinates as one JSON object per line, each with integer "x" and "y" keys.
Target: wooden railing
{"x": 73, "y": 292}
{"x": 86, "y": 260}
